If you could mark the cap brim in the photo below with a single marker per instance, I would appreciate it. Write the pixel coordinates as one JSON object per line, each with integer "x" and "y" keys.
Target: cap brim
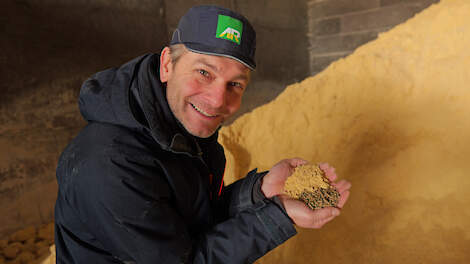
{"x": 210, "y": 51}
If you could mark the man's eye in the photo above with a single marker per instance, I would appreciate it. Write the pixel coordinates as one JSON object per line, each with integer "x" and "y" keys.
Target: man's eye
{"x": 236, "y": 84}
{"x": 203, "y": 72}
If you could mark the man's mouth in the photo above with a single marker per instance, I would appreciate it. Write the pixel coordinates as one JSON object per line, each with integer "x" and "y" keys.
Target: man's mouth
{"x": 202, "y": 111}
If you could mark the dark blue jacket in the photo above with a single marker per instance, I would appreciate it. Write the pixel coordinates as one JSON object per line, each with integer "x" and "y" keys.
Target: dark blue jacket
{"x": 135, "y": 187}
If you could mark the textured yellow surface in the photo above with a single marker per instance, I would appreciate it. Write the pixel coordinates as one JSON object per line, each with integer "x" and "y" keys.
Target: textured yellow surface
{"x": 304, "y": 179}
{"x": 394, "y": 119}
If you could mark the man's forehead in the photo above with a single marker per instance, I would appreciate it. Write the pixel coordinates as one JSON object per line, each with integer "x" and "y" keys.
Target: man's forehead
{"x": 216, "y": 62}
{"x": 217, "y": 58}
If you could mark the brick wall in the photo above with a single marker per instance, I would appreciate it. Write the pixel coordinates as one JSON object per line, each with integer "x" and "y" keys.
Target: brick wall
{"x": 338, "y": 27}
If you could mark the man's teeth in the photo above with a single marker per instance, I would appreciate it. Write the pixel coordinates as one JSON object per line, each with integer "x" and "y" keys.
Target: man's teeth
{"x": 202, "y": 111}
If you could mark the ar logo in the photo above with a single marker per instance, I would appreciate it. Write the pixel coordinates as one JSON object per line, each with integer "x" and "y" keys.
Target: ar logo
{"x": 232, "y": 34}
{"x": 229, "y": 28}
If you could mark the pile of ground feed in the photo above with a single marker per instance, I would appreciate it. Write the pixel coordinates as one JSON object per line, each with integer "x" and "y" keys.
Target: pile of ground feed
{"x": 309, "y": 184}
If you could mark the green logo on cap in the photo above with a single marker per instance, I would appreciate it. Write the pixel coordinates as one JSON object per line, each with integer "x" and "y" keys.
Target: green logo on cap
{"x": 229, "y": 28}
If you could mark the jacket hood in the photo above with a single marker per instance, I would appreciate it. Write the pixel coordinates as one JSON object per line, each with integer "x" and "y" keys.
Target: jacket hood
{"x": 134, "y": 97}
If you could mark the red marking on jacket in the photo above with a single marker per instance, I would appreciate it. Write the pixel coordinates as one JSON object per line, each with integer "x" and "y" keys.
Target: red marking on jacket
{"x": 222, "y": 181}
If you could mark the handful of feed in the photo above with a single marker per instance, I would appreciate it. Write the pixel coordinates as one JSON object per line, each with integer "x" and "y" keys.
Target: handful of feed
{"x": 309, "y": 184}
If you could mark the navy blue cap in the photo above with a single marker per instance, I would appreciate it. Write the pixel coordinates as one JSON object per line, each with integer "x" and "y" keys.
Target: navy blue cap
{"x": 214, "y": 30}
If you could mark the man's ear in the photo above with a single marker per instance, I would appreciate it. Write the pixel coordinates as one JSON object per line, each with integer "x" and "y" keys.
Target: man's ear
{"x": 166, "y": 66}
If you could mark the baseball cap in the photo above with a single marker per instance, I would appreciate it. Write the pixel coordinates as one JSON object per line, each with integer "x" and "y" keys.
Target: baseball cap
{"x": 219, "y": 31}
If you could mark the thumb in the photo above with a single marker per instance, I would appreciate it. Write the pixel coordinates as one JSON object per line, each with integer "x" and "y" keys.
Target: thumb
{"x": 323, "y": 216}
{"x": 325, "y": 213}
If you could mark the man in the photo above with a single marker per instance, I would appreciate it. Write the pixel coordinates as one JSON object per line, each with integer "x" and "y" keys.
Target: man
{"x": 143, "y": 181}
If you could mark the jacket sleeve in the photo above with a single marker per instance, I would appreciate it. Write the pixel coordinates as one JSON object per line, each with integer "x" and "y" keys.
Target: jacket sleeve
{"x": 137, "y": 226}
{"x": 242, "y": 194}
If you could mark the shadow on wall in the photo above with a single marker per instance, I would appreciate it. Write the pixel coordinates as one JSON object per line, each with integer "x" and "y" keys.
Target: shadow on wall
{"x": 51, "y": 40}
{"x": 50, "y": 48}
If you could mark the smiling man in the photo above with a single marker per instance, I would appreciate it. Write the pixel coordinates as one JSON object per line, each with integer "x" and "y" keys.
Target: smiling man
{"x": 143, "y": 181}
{"x": 204, "y": 89}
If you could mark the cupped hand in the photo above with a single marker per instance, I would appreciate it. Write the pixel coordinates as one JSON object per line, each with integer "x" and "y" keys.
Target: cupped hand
{"x": 301, "y": 214}
{"x": 273, "y": 182}
{"x": 305, "y": 217}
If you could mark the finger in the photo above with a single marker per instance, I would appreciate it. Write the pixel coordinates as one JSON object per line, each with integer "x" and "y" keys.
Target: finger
{"x": 331, "y": 175}
{"x": 328, "y": 170}
{"x": 323, "y": 222}
{"x": 294, "y": 162}
{"x": 342, "y": 186}
{"x": 324, "y": 166}
{"x": 342, "y": 199}
{"x": 324, "y": 213}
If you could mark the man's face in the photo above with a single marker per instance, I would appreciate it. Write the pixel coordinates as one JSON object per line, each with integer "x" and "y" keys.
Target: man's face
{"x": 203, "y": 90}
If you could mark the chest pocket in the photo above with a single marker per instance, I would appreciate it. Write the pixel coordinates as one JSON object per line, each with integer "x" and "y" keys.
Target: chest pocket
{"x": 189, "y": 181}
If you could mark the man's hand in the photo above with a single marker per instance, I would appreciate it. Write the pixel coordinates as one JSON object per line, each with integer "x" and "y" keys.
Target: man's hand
{"x": 273, "y": 184}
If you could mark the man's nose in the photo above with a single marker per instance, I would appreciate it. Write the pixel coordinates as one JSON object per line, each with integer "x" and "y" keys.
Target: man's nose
{"x": 216, "y": 94}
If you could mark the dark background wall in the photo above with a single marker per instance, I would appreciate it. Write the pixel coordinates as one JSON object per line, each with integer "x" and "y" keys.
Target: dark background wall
{"x": 49, "y": 47}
